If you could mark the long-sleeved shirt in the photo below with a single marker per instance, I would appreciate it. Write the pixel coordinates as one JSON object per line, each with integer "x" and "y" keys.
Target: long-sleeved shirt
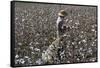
{"x": 60, "y": 22}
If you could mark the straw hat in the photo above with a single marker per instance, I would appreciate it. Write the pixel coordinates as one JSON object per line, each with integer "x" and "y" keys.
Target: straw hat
{"x": 62, "y": 13}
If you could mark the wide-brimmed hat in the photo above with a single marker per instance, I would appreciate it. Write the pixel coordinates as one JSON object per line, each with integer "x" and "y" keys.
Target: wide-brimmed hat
{"x": 62, "y": 13}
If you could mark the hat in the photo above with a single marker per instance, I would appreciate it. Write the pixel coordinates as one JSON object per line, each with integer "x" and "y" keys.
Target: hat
{"x": 62, "y": 13}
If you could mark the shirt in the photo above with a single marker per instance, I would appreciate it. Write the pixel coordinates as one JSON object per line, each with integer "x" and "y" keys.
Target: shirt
{"x": 60, "y": 22}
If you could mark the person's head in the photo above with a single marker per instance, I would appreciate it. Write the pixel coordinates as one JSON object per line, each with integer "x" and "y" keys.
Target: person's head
{"x": 62, "y": 13}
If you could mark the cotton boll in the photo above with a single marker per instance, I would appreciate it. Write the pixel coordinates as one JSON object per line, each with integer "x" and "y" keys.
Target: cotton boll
{"x": 84, "y": 41}
{"x": 17, "y": 56}
{"x": 26, "y": 57}
{"x": 93, "y": 59}
{"x": 31, "y": 48}
{"x": 19, "y": 44}
{"x": 23, "y": 20}
{"x": 39, "y": 61}
{"x": 22, "y": 61}
{"x": 36, "y": 49}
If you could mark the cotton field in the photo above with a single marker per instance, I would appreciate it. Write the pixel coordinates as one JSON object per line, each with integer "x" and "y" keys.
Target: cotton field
{"x": 35, "y": 30}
